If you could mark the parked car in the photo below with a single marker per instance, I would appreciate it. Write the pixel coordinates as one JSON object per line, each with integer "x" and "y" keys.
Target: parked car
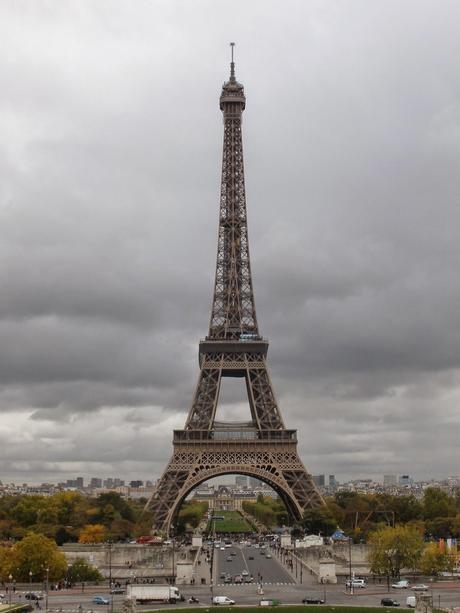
{"x": 312, "y": 600}
{"x": 410, "y": 602}
{"x": 100, "y": 600}
{"x": 244, "y": 573}
{"x": 359, "y": 583}
{"x": 222, "y": 600}
{"x": 250, "y": 557}
{"x": 227, "y": 580}
{"x": 237, "y": 579}
{"x": 268, "y": 556}
{"x": 117, "y": 590}
{"x": 389, "y": 602}
{"x": 248, "y": 579}
{"x": 420, "y": 587}
{"x": 401, "y": 585}
{"x": 230, "y": 559}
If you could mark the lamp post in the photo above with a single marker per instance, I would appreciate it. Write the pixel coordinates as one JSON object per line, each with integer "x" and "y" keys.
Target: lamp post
{"x": 47, "y": 588}
{"x": 349, "y": 562}
{"x": 30, "y": 583}
{"x": 10, "y": 577}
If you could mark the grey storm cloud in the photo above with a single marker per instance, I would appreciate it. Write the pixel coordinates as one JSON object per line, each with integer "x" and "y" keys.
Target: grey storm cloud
{"x": 110, "y": 170}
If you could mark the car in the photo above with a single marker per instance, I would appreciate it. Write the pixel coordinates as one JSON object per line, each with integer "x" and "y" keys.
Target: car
{"x": 227, "y": 580}
{"x": 222, "y": 548}
{"x": 420, "y": 587}
{"x": 34, "y": 595}
{"x": 250, "y": 557}
{"x": 359, "y": 583}
{"x": 222, "y": 575}
{"x": 401, "y": 585}
{"x": 245, "y": 573}
{"x": 233, "y": 553}
{"x": 238, "y": 579}
{"x": 411, "y": 601}
{"x": 230, "y": 559}
{"x": 248, "y": 579}
{"x": 268, "y": 556}
{"x": 100, "y": 600}
{"x": 389, "y": 602}
{"x": 222, "y": 600}
{"x": 117, "y": 590}
{"x": 312, "y": 600}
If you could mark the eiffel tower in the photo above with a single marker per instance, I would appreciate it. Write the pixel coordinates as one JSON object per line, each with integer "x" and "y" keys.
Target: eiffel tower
{"x": 262, "y": 447}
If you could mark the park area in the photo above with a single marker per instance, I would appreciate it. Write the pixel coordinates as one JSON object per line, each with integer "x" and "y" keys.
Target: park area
{"x": 228, "y": 521}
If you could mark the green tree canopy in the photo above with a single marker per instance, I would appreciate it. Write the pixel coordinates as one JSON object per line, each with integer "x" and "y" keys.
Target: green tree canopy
{"x": 35, "y": 553}
{"x": 392, "y": 549}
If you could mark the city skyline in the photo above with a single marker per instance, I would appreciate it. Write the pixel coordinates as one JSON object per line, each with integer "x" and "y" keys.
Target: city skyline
{"x": 110, "y": 167}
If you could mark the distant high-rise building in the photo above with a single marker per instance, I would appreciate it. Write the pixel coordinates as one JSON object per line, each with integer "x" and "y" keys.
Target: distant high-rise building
{"x": 241, "y": 480}
{"x": 95, "y": 482}
{"x": 136, "y": 483}
{"x": 389, "y": 480}
{"x": 118, "y": 482}
{"x": 332, "y": 482}
{"x": 79, "y": 482}
{"x": 108, "y": 483}
{"x": 71, "y": 483}
{"x": 319, "y": 480}
{"x": 253, "y": 482}
{"x": 405, "y": 480}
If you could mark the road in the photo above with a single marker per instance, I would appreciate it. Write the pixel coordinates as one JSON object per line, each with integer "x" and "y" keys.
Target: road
{"x": 263, "y": 570}
{"x": 247, "y": 594}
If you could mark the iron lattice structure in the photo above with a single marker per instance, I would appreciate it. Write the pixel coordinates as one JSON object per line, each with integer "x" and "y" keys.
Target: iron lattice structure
{"x": 262, "y": 447}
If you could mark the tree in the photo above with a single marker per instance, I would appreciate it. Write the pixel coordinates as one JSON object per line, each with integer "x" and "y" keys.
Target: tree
{"x": 93, "y": 533}
{"x": 437, "y": 503}
{"x": 435, "y": 561}
{"x": 318, "y": 521}
{"x": 80, "y": 570}
{"x": 35, "y": 553}
{"x": 392, "y": 549}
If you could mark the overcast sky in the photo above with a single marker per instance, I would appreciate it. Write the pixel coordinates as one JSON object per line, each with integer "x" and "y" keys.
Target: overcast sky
{"x": 110, "y": 153}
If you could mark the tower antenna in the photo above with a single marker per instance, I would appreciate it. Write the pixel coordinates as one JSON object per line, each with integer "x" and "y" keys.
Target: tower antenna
{"x": 232, "y": 65}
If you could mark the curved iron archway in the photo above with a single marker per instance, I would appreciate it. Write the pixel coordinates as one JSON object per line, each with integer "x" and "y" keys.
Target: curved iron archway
{"x": 270, "y": 479}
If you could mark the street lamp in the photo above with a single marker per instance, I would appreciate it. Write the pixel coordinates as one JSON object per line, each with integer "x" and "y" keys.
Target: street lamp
{"x": 349, "y": 562}
{"x": 30, "y": 583}
{"x": 47, "y": 588}
{"x": 10, "y": 577}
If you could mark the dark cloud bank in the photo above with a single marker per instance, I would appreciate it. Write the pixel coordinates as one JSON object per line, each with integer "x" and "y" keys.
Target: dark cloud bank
{"x": 109, "y": 167}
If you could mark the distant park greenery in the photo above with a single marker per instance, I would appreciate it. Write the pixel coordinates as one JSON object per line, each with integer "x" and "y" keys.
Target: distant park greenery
{"x": 231, "y": 521}
{"x": 72, "y": 517}
{"x": 435, "y": 515}
{"x": 190, "y": 515}
{"x": 268, "y": 511}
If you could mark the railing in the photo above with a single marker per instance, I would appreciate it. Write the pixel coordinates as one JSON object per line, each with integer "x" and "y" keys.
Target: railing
{"x": 202, "y": 436}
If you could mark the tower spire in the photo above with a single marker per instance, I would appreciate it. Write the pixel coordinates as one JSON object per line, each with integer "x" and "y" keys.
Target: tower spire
{"x": 232, "y": 64}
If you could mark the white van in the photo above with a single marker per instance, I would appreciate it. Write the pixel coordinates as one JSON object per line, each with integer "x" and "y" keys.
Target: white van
{"x": 401, "y": 585}
{"x": 410, "y": 602}
{"x": 359, "y": 583}
{"x": 222, "y": 600}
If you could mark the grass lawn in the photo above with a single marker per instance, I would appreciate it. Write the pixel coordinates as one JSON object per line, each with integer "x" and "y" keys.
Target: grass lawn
{"x": 232, "y": 522}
